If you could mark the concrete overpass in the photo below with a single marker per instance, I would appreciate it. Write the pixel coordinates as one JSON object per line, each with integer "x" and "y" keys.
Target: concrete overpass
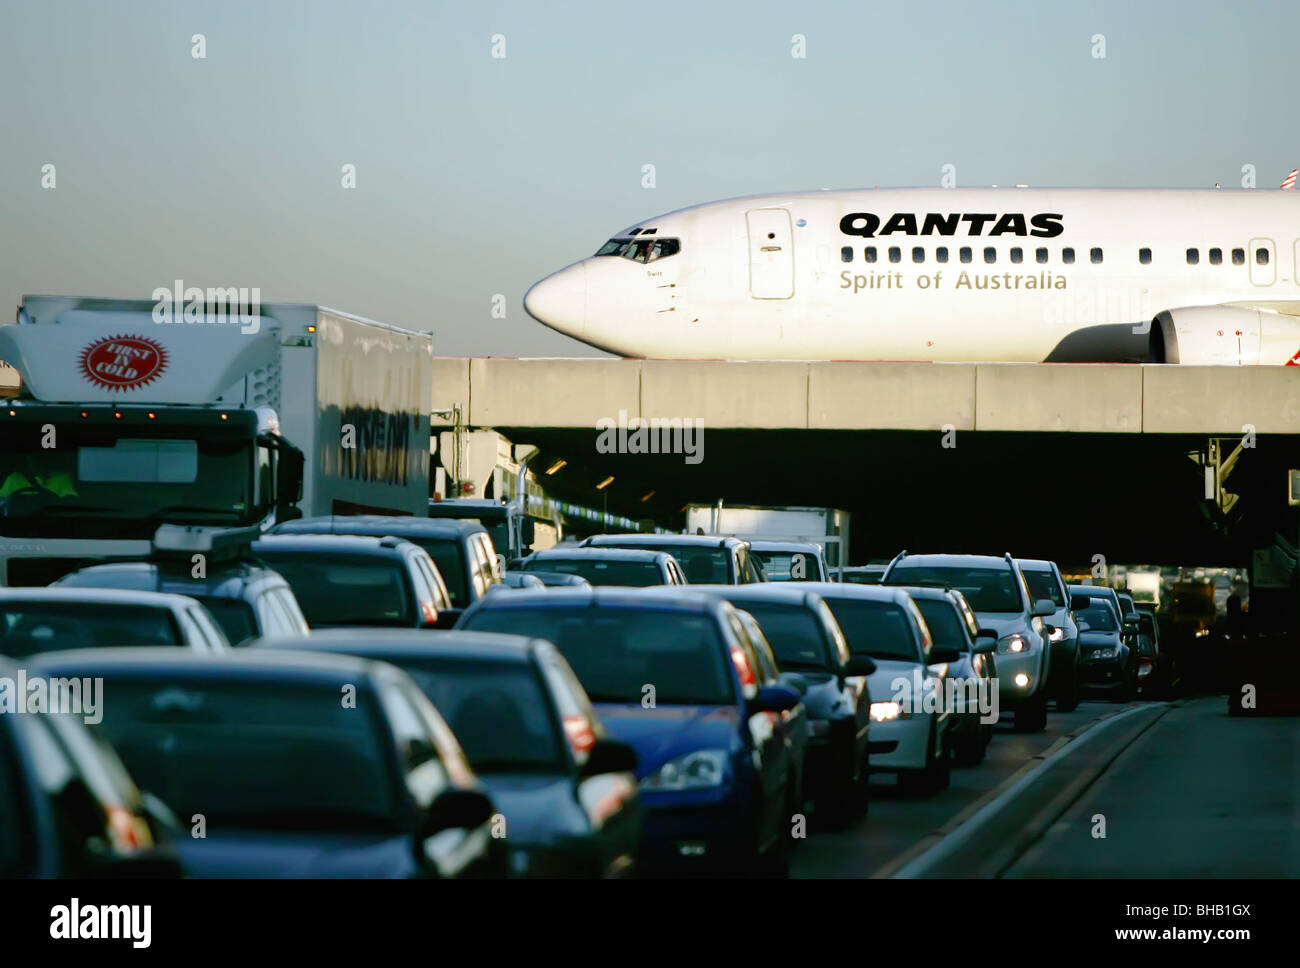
{"x": 1051, "y": 459}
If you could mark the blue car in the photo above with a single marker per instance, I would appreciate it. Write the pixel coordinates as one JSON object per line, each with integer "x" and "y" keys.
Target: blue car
{"x": 669, "y": 676}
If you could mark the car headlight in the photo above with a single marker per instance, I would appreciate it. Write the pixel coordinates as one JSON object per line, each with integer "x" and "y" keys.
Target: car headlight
{"x": 698, "y": 770}
{"x": 1013, "y": 643}
{"x": 1058, "y": 634}
{"x": 884, "y": 712}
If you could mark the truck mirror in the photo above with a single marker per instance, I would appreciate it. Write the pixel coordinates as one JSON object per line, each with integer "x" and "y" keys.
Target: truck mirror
{"x": 527, "y": 532}
{"x": 288, "y": 485}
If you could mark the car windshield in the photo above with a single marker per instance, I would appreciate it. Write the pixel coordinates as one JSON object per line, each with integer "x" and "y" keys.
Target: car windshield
{"x": 449, "y": 555}
{"x": 987, "y": 589}
{"x": 234, "y": 615}
{"x": 342, "y": 589}
{"x": 1096, "y": 618}
{"x": 796, "y": 634}
{"x": 28, "y": 628}
{"x": 619, "y": 653}
{"x": 1043, "y": 584}
{"x": 877, "y": 629}
{"x": 944, "y": 622}
{"x": 788, "y": 565}
{"x": 640, "y": 574}
{"x": 498, "y": 710}
{"x": 282, "y": 756}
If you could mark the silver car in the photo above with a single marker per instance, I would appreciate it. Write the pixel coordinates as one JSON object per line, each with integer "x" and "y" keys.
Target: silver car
{"x": 1045, "y": 581}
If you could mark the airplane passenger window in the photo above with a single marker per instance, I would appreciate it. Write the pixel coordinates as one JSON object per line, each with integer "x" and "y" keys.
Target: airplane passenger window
{"x": 990, "y": 254}
{"x": 1216, "y": 257}
{"x": 1261, "y": 257}
{"x": 1238, "y": 257}
{"x": 941, "y": 254}
{"x": 895, "y": 254}
{"x": 1144, "y": 256}
{"x": 869, "y": 253}
{"x": 846, "y": 254}
{"x": 1096, "y": 256}
{"x": 918, "y": 254}
{"x": 1067, "y": 256}
{"x": 1041, "y": 256}
{"x": 1017, "y": 254}
{"x": 1193, "y": 257}
{"x": 964, "y": 253}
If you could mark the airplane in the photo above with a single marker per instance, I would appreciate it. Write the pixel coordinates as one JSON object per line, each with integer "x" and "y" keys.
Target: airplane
{"x": 1079, "y": 275}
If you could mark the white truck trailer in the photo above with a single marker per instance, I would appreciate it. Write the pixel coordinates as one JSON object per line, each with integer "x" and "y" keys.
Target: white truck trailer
{"x": 126, "y": 420}
{"x": 827, "y": 528}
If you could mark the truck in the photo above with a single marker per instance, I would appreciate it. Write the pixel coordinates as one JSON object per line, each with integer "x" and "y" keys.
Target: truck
{"x": 130, "y": 415}
{"x": 827, "y": 528}
{"x": 1144, "y": 586}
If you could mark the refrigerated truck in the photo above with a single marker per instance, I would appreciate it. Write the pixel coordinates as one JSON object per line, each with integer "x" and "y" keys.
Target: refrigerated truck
{"x": 827, "y": 528}
{"x": 127, "y": 419}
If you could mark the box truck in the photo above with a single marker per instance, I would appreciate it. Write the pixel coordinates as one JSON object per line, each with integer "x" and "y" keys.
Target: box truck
{"x": 129, "y": 416}
{"x": 827, "y": 528}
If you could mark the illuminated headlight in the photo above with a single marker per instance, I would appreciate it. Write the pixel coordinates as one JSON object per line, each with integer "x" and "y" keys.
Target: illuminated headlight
{"x": 1105, "y": 653}
{"x": 1058, "y": 634}
{"x": 883, "y": 712}
{"x": 1021, "y": 680}
{"x": 694, "y": 771}
{"x": 1202, "y": 633}
{"x": 1015, "y": 642}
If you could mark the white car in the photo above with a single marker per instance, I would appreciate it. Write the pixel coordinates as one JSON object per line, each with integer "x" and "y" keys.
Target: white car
{"x": 36, "y": 620}
{"x": 909, "y": 720}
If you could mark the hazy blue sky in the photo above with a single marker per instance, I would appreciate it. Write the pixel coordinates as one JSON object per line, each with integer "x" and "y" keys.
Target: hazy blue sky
{"x": 478, "y": 176}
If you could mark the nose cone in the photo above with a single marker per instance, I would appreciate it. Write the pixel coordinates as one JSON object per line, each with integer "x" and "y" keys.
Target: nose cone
{"x": 560, "y": 300}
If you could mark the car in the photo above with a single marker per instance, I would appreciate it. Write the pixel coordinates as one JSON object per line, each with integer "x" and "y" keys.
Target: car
{"x": 346, "y": 580}
{"x": 519, "y": 579}
{"x": 669, "y": 676}
{"x": 294, "y": 764}
{"x": 863, "y": 574}
{"x": 34, "y": 620}
{"x": 466, "y": 561}
{"x": 790, "y": 560}
{"x": 1045, "y": 581}
{"x": 1106, "y": 659}
{"x": 807, "y": 640}
{"x": 68, "y": 807}
{"x": 910, "y": 717}
{"x": 609, "y": 566}
{"x": 953, "y": 625}
{"x": 567, "y": 791}
{"x": 1155, "y": 671}
{"x": 247, "y": 599}
{"x": 705, "y": 559}
{"x": 996, "y": 590}
{"x": 1102, "y": 593}
{"x": 553, "y": 579}
{"x": 1126, "y": 604}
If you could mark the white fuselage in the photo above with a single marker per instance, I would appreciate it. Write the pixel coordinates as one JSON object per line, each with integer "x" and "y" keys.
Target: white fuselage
{"x": 790, "y": 276}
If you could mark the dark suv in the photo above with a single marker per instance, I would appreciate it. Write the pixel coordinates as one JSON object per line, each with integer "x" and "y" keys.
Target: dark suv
{"x": 707, "y": 559}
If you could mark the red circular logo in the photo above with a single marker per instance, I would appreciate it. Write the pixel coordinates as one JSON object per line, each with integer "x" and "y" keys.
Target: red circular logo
{"x": 123, "y": 362}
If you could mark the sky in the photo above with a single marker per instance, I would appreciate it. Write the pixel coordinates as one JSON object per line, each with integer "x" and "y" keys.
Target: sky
{"x": 476, "y": 175}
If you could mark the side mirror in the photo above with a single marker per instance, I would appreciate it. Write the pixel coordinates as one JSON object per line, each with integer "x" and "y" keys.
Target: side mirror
{"x": 457, "y": 810}
{"x": 1079, "y": 602}
{"x": 609, "y": 756}
{"x": 448, "y": 617}
{"x": 859, "y": 665}
{"x": 774, "y": 699}
{"x": 985, "y": 644}
{"x": 795, "y": 681}
{"x": 1044, "y": 607}
{"x": 944, "y": 653}
{"x": 288, "y": 483}
{"x": 527, "y": 532}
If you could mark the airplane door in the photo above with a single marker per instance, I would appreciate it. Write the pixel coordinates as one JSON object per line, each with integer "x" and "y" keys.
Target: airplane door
{"x": 771, "y": 253}
{"x": 1263, "y": 262}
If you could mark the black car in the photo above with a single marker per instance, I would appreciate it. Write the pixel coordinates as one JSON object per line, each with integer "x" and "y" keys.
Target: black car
{"x": 68, "y": 807}
{"x": 630, "y": 567}
{"x": 1107, "y": 660}
{"x": 705, "y": 558}
{"x": 347, "y": 580}
{"x": 568, "y": 793}
{"x": 462, "y": 550}
{"x": 808, "y": 641}
{"x": 294, "y": 764}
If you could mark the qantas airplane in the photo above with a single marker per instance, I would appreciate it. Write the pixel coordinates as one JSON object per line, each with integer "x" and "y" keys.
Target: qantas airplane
{"x": 1192, "y": 276}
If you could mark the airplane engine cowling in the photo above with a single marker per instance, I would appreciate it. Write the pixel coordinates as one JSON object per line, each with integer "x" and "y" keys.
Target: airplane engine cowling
{"x": 1224, "y": 336}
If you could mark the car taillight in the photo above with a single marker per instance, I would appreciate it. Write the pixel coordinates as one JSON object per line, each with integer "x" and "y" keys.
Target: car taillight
{"x": 127, "y": 832}
{"x": 741, "y": 662}
{"x": 429, "y": 613}
{"x": 581, "y": 737}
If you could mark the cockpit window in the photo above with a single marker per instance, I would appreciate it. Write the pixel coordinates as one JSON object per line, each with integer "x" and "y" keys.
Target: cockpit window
{"x": 641, "y": 250}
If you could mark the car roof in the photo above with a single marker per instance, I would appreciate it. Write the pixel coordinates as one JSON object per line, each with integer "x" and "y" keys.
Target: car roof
{"x": 377, "y": 545}
{"x": 782, "y": 592}
{"x": 230, "y": 580}
{"x": 877, "y": 593}
{"x": 1034, "y": 564}
{"x": 378, "y": 643}
{"x": 601, "y": 553}
{"x": 381, "y": 524}
{"x": 98, "y": 596}
{"x": 179, "y": 664}
{"x": 806, "y": 546}
{"x": 682, "y": 599}
{"x": 666, "y": 540}
{"x": 957, "y": 561}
